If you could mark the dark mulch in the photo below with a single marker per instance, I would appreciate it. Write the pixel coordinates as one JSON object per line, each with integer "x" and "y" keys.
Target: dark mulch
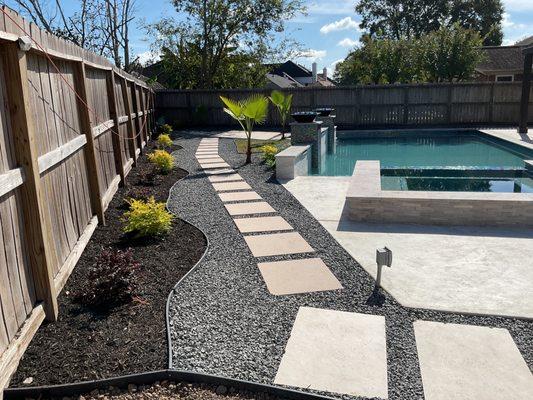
{"x": 84, "y": 344}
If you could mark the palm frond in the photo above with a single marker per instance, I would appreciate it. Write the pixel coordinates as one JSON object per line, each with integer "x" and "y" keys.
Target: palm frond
{"x": 233, "y": 108}
{"x": 255, "y": 108}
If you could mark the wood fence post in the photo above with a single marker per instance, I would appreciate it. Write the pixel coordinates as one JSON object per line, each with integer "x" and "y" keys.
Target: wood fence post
{"x": 143, "y": 117}
{"x": 524, "y": 99}
{"x": 37, "y": 225}
{"x": 90, "y": 151}
{"x": 117, "y": 140}
{"x": 449, "y": 104}
{"x": 491, "y": 103}
{"x": 131, "y": 129}
{"x": 135, "y": 110}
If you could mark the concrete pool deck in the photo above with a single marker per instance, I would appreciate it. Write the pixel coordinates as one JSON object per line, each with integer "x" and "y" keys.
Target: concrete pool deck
{"x": 458, "y": 269}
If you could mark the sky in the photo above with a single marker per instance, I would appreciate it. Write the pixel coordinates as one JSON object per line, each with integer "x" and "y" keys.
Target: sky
{"x": 328, "y": 31}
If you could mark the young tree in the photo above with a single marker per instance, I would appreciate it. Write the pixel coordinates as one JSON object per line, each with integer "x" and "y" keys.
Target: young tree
{"x": 406, "y": 19}
{"x": 219, "y": 35}
{"x": 247, "y": 113}
{"x": 283, "y": 104}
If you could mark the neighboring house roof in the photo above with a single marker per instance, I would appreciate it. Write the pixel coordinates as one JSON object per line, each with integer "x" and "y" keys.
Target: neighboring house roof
{"x": 291, "y": 69}
{"x": 501, "y": 59}
{"x": 525, "y": 42}
{"x": 282, "y": 82}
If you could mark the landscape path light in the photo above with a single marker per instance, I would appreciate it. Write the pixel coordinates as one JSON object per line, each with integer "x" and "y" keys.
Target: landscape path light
{"x": 383, "y": 257}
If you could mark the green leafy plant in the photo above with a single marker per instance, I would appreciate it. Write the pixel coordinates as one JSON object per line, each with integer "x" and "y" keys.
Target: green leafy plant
{"x": 269, "y": 154}
{"x": 247, "y": 113}
{"x": 147, "y": 218}
{"x": 164, "y": 141}
{"x": 111, "y": 281}
{"x": 165, "y": 129}
{"x": 283, "y": 104}
{"x": 163, "y": 160}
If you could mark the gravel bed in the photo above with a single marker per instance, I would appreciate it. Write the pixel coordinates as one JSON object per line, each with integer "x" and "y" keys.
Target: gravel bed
{"x": 225, "y": 322}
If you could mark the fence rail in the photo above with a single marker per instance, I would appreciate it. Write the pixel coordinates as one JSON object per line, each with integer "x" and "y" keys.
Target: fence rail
{"x": 381, "y": 105}
{"x": 71, "y": 128}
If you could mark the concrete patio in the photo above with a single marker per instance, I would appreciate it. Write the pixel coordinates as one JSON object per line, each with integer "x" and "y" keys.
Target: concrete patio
{"x": 457, "y": 269}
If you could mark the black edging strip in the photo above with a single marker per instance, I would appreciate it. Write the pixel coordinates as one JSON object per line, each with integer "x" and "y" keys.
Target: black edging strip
{"x": 148, "y": 378}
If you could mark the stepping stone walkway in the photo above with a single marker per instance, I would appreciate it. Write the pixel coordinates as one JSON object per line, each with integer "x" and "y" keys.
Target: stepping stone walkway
{"x": 299, "y": 275}
{"x": 466, "y": 362}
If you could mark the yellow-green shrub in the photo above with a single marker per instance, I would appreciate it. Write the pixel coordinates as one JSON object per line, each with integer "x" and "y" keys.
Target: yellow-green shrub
{"x": 164, "y": 141}
{"x": 163, "y": 160}
{"x": 147, "y": 218}
{"x": 269, "y": 154}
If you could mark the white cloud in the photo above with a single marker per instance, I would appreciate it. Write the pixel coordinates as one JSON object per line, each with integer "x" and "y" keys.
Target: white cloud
{"x": 508, "y": 23}
{"x": 346, "y": 23}
{"x": 148, "y": 57}
{"x": 347, "y": 42}
{"x": 518, "y": 5}
{"x": 312, "y": 55}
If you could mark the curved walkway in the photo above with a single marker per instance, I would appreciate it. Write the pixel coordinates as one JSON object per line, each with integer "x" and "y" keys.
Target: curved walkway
{"x": 224, "y": 320}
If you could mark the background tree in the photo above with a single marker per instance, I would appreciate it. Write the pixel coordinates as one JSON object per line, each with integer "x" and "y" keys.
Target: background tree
{"x": 448, "y": 54}
{"x": 101, "y": 26}
{"x": 222, "y": 42}
{"x": 406, "y": 19}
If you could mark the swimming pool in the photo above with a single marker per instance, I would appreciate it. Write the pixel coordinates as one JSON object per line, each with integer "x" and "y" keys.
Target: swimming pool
{"x": 435, "y": 161}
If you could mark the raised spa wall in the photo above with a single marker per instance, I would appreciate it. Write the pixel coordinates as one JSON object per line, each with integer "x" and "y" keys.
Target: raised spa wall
{"x": 367, "y": 202}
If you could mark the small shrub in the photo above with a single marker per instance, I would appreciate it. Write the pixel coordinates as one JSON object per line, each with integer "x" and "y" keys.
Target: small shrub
{"x": 164, "y": 141}
{"x": 147, "y": 218}
{"x": 147, "y": 174}
{"x": 111, "y": 280}
{"x": 165, "y": 129}
{"x": 269, "y": 154}
{"x": 162, "y": 160}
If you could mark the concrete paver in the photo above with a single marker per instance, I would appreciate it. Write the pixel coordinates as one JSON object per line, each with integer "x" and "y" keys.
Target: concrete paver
{"x": 239, "y": 196}
{"x": 277, "y": 244}
{"x": 262, "y": 224}
{"x": 257, "y": 207}
{"x": 336, "y": 351}
{"x": 464, "y": 362}
{"x": 226, "y": 186}
{"x": 298, "y": 276}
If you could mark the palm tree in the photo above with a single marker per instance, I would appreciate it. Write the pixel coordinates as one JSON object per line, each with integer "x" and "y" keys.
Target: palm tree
{"x": 283, "y": 104}
{"x": 248, "y": 112}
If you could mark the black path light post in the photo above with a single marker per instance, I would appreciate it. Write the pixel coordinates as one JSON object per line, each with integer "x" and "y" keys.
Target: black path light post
{"x": 526, "y": 88}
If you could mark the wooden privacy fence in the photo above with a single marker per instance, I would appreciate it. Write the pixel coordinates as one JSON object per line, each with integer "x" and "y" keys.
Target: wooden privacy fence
{"x": 71, "y": 128}
{"x": 384, "y": 105}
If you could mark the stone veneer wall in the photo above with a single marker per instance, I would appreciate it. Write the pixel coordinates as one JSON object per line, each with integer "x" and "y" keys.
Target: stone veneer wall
{"x": 366, "y": 202}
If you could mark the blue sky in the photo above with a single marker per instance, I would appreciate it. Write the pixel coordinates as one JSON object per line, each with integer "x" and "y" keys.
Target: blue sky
{"x": 330, "y": 28}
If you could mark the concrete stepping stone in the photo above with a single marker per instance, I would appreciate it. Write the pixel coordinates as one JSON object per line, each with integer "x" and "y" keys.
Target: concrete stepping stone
{"x": 225, "y": 178}
{"x": 215, "y": 165}
{"x": 226, "y": 186}
{"x": 219, "y": 171}
{"x": 206, "y": 147}
{"x": 206, "y": 153}
{"x": 463, "y": 362}
{"x": 207, "y": 157}
{"x": 298, "y": 276}
{"x": 275, "y": 244}
{"x": 212, "y": 161}
{"x": 257, "y": 207}
{"x": 262, "y": 224}
{"x": 336, "y": 351}
{"x": 239, "y": 196}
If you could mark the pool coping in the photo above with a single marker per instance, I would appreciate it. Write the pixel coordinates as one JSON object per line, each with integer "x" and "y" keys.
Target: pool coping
{"x": 367, "y": 202}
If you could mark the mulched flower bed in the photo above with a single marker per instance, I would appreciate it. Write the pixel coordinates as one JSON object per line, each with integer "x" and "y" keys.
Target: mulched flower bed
{"x": 85, "y": 344}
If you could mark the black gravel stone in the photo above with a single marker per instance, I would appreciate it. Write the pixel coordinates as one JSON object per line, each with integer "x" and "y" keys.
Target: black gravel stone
{"x": 225, "y": 322}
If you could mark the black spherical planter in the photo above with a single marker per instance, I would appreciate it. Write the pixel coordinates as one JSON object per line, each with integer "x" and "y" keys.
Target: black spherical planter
{"x": 304, "y": 116}
{"x": 324, "y": 112}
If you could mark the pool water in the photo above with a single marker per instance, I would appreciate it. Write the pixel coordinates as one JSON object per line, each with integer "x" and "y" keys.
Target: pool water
{"x": 441, "y": 161}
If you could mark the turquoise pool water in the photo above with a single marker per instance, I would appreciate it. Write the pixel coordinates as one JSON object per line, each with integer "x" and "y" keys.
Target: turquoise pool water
{"x": 450, "y": 161}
